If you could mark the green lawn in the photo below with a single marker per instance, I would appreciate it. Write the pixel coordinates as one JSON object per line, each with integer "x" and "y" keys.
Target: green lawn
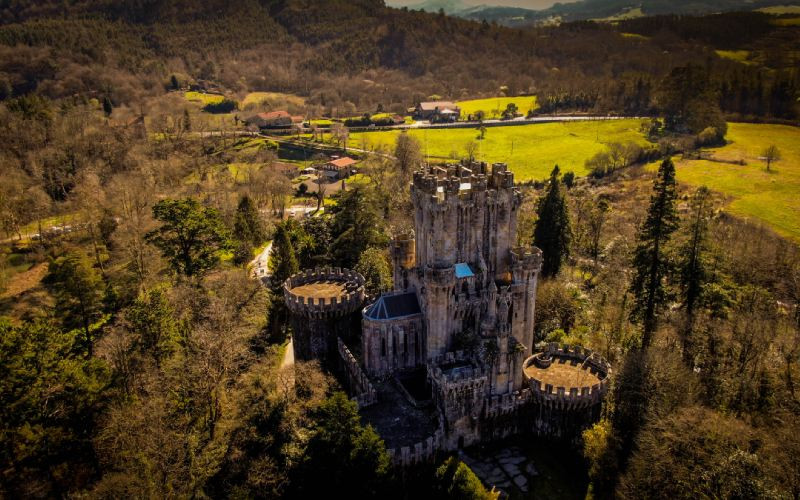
{"x": 494, "y": 106}
{"x": 530, "y": 150}
{"x": 771, "y": 197}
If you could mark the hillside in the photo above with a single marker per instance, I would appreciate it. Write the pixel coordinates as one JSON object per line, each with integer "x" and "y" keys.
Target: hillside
{"x": 349, "y": 57}
{"x": 610, "y": 10}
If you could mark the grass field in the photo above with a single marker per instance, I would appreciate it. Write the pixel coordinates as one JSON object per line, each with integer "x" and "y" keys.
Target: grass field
{"x": 256, "y": 98}
{"x": 781, "y": 9}
{"x": 741, "y": 56}
{"x": 628, "y": 14}
{"x": 635, "y": 36}
{"x": 787, "y": 21}
{"x": 770, "y": 197}
{"x": 494, "y": 106}
{"x": 530, "y": 150}
{"x": 203, "y": 98}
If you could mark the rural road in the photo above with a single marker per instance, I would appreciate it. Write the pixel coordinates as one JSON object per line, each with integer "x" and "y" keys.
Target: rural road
{"x": 260, "y": 264}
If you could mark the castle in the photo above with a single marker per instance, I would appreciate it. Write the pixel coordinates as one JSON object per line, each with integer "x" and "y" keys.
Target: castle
{"x": 457, "y": 332}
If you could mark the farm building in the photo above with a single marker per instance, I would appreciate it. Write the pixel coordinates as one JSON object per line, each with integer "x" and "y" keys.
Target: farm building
{"x": 438, "y": 111}
{"x": 338, "y": 168}
{"x": 273, "y": 119}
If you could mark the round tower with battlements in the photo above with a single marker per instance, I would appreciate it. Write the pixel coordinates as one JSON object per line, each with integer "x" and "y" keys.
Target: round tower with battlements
{"x": 322, "y": 303}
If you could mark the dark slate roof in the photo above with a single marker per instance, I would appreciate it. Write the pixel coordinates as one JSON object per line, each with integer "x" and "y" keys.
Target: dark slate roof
{"x": 394, "y": 306}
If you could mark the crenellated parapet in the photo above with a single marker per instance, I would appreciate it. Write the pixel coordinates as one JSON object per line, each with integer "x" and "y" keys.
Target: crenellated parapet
{"x": 506, "y": 404}
{"x": 442, "y": 183}
{"x": 365, "y": 393}
{"x": 529, "y": 259}
{"x": 420, "y": 452}
{"x": 331, "y": 301}
{"x": 550, "y": 372}
{"x": 443, "y": 277}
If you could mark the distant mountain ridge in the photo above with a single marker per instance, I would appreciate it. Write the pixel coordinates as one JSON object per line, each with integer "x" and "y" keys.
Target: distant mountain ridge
{"x": 591, "y": 9}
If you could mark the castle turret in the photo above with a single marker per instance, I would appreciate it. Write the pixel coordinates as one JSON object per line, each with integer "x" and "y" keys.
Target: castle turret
{"x": 403, "y": 260}
{"x": 322, "y": 303}
{"x": 525, "y": 267}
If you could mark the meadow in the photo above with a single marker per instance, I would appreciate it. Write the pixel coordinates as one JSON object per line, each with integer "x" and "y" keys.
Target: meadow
{"x": 203, "y": 98}
{"x": 756, "y": 194}
{"x": 494, "y": 106}
{"x": 531, "y": 151}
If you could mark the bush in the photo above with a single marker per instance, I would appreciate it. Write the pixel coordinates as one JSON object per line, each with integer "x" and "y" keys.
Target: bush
{"x": 709, "y": 137}
{"x": 223, "y": 106}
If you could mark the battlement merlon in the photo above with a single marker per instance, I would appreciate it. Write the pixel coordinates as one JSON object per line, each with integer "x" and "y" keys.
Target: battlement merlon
{"x": 529, "y": 259}
{"x": 349, "y": 300}
{"x": 462, "y": 180}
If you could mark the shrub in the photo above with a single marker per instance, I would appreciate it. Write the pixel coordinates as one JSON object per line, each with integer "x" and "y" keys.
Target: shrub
{"x": 223, "y": 106}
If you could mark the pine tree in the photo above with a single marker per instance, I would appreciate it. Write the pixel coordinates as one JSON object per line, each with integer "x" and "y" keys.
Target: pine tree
{"x": 78, "y": 292}
{"x": 650, "y": 262}
{"x": 108, "y": 107}
{"x": 553, "y": 234}
{"x": 283, "y": 261}
{"x": 247, "y": 225}
{"x": 283, "y": 264}
{"x": 692, "y": 268}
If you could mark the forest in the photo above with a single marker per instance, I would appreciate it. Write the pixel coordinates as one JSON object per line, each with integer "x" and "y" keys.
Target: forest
{"x": 139, "y": 357}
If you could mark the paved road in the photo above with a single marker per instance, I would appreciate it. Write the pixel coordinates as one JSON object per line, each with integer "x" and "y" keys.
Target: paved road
{"x": 260, "y": 264}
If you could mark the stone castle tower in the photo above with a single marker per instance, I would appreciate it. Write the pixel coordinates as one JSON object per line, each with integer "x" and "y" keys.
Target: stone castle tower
{"x": 461, "y": 269}
{"x": 457, "y": 332}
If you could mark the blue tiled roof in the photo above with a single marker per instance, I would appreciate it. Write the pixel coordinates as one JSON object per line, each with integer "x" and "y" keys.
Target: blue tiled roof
{"x": 464, "y": 271}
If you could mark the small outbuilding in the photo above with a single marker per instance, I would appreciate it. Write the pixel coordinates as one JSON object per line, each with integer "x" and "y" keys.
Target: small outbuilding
{"x": 338, "y": 168}
{"x": 438, "y": 111}
{"x": 272, "y": 119}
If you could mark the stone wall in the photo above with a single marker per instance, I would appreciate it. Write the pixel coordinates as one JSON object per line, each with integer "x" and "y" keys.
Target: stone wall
{"x": 389, "y": 346}
{"x": 419, "y": 452}
{"x": 363, "y": 391}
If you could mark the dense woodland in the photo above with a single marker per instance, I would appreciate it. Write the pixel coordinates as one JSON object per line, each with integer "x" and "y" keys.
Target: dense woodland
{"x": 139, "y": 359}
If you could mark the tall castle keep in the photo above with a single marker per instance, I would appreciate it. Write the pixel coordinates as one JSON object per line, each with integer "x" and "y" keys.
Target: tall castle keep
{"x": 458, "y": 281}
{"x": 456, "y": 333}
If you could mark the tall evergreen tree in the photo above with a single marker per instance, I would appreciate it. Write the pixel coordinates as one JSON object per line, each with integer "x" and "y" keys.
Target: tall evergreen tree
{"x": 283, "y": 262}
{"x": 692, "y": 267}
{"x": 650, "y": 261}
{"x": 553, "y": 233}
{"x": 247, "y": 225}
{"x": 108, "y": 106}
{"x": 355, "y": 228}
{"x": 78, "y": 290}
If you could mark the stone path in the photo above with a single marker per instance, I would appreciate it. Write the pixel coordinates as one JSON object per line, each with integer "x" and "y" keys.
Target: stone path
{"x": 506, "y": 469}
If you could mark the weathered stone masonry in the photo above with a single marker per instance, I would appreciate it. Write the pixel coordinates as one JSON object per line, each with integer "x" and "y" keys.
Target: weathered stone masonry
{"x": 459, "y": 280}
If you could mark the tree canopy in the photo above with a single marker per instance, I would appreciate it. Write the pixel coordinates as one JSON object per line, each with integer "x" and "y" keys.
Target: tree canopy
{"x": 191, "y": 236}
{"x": 553, "y": 232}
